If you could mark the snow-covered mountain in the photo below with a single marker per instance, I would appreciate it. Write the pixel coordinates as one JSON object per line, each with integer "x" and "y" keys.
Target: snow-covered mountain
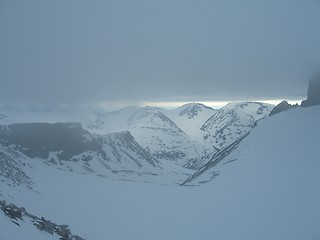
{"x": 284, "y": 141}
{"x": 226, "y": 126}
{"x": 190, "y": 117}
{"x": 109, "y": 122}
{"x": 161, "y": 136}
{"x": 265, "y": 188}
{"x": 189, "y": 135}
{"x": 67, "y": 146}
{"x": 232, "y": 122}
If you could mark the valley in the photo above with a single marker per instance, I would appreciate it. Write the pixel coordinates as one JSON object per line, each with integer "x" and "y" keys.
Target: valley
{"x": 112, "y": 185}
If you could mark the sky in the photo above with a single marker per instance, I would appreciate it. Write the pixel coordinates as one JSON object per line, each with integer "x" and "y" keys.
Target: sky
{"x": 100, "y": 51}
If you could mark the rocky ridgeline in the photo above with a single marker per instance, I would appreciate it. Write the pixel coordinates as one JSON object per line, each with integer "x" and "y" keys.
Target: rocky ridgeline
{"x": 215, "y": 160}
{"x": 15, "y": 214}
{"x": 313, "y": 98}
{"x": 67, "y": 144}
{"x": 313, "y": 93}
{"x": 283, "y": 106}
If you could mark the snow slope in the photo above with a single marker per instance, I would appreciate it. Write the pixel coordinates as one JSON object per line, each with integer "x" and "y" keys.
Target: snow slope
{"x": 161, "y": 136}
{"x": 25, "y": 230}
{"x": 190, "y": 117}
{"x": 267, "y": 188}
{"x": 226, "y": 126}
{"x": 232, "y": 122}
{"x": 26, "y": 225}
{"x": 66, "y": 146}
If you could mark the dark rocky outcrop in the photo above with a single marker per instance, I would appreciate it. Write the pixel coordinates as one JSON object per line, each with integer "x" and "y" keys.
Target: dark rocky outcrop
{"x": 39, "y": 139}
{"x": 283, "y": 106}
{"x": 17, "y": 214}
{"x": 66, "y": 142}
{"x": 313, "y": 93}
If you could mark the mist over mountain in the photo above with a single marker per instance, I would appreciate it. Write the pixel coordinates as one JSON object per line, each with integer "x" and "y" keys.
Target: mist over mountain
{"x": 174, "y": 120}
{"x": 79, "y": 52}
{"x": 64, "y": 162}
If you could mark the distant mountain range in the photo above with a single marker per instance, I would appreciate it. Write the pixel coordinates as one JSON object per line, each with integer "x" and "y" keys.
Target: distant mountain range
{"x": 119, "y": 175}
{"x": 58, "y": 170}
{"x": 148, "y": 144}
{"x": 185, "y": 136}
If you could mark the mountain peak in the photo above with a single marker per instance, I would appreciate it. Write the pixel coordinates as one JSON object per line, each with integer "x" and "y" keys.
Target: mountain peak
{"x": 150, "y": 115}
{"x": 232, "y": 122}
{"x": 192, "y": 109}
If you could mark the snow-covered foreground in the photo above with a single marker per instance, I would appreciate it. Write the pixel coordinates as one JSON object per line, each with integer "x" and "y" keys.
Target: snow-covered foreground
{"x": 271, "y": 191}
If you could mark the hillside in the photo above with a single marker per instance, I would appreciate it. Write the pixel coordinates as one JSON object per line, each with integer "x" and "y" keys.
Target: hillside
{"x": 267, "y": 188}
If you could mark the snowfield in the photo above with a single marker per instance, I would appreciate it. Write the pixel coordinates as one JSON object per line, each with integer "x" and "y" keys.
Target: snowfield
{"x": 267, "y": 188}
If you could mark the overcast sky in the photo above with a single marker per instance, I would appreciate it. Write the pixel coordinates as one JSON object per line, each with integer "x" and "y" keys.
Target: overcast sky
{"x": 95, "y": 51}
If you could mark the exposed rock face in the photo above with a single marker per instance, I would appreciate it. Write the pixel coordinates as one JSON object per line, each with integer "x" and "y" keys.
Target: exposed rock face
{"x": 39, "y": 139}
{"x": 123, "y": 144}
{"x": 68, "y": 145}
{"x": 283, "y": 106}
{"x": 313, "y": 93}
{"x": 192, "y": 109}
{"x": 17, "y": 214}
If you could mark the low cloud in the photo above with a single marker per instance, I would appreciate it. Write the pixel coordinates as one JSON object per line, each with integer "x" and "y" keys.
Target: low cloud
{"x": 87, "y": 52}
